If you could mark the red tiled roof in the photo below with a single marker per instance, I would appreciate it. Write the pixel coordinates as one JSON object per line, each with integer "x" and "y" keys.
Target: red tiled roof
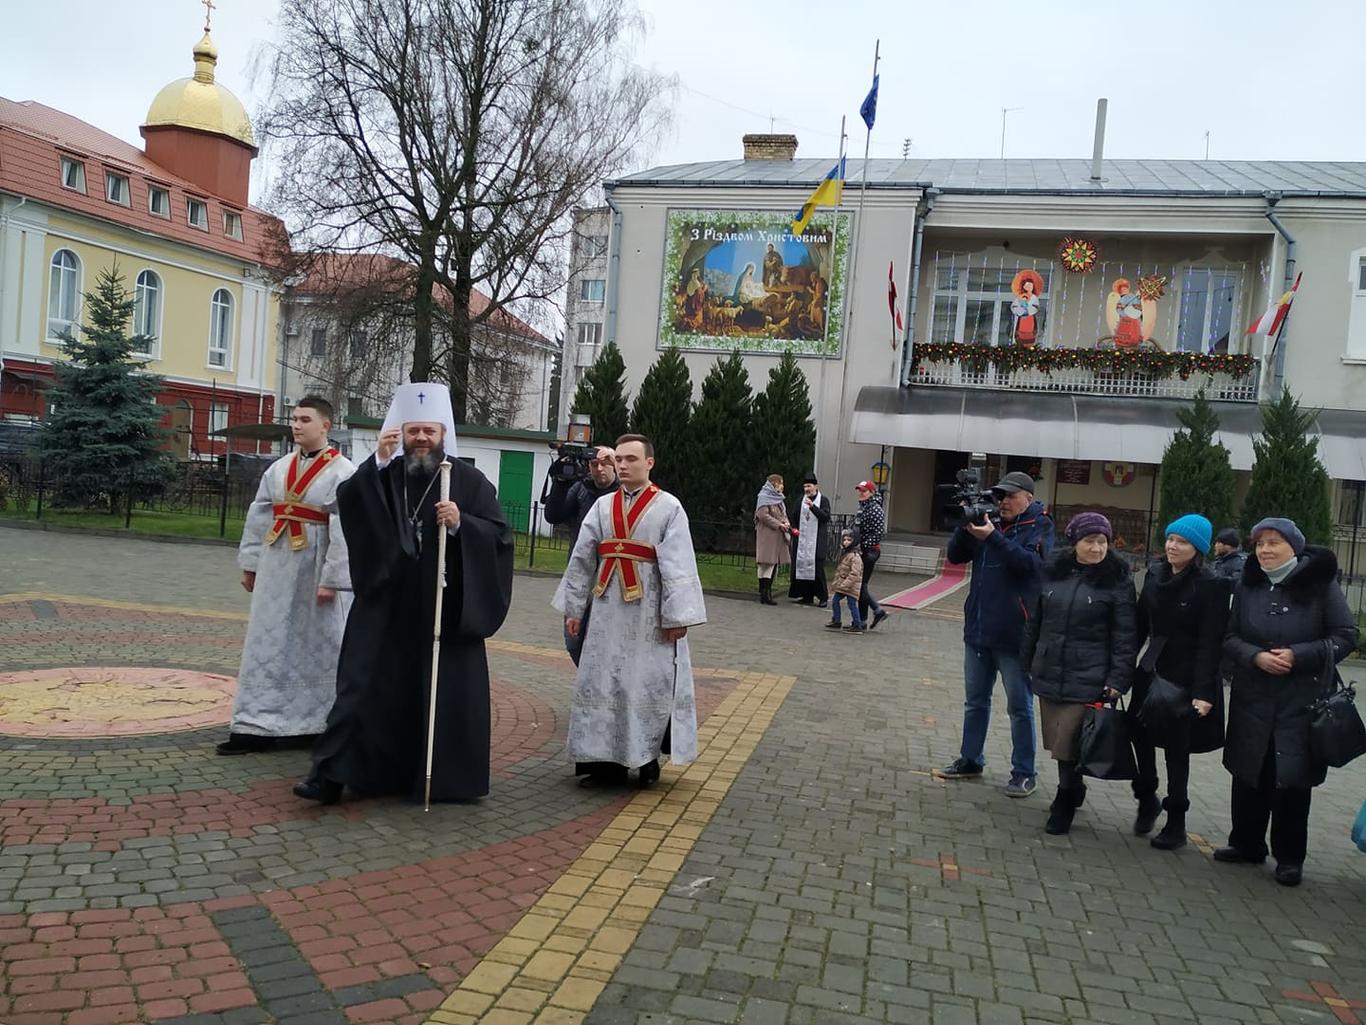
{"x": 345, "y": 274}
{"x": 33, "y": 139}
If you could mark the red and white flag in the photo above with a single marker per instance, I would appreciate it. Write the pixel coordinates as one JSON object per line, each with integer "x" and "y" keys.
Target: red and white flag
{"x": 1270, "y": 321}
{"x": 891, "y": 298}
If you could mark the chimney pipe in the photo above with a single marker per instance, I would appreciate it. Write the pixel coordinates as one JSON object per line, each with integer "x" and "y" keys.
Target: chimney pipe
{"x": 1098, "y": 154}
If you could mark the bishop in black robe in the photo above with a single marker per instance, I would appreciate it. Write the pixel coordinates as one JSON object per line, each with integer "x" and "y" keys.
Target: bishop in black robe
{"x": 376, "y": 737}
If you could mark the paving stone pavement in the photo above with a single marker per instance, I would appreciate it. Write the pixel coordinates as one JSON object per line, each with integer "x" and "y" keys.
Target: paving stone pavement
{"x": 807, "y": 869}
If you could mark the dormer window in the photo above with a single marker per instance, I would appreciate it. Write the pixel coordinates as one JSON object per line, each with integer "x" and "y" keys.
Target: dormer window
{"x": 232, "y": 224}
{"x": 197, "y": 213}
{"x": 73, "y": 174}
{"x": 116, "y": 188}
{"x": 158, "y": 201}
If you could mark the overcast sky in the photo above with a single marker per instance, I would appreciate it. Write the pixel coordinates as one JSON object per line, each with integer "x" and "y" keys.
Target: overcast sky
{"x": 1268, "y": 81}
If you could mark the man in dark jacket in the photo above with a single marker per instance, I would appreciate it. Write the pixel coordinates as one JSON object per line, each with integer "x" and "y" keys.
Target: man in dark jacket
{"x": 1007, "y": 559}
{"x": 569, "y": 502}
{"x": 1229, "y": 557}
{"x": 872, "y": 525}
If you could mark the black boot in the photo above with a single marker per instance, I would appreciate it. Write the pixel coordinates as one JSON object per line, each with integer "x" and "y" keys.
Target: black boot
{"x": 1062, "y": 811}
{"x": 245, "y": 744}
{"x": 1148, "y": 809}
{"x": 324, "y": 791}
{"x": 1173, "y": 835}
{"x": 766, "y": 591}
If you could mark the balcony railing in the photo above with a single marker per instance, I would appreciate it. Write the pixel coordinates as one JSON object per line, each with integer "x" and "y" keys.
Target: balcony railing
{"x": 1144, "y": 374}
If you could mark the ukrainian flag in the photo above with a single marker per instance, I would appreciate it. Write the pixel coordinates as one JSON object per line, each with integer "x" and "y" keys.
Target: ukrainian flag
{"x": 827, "y": 193}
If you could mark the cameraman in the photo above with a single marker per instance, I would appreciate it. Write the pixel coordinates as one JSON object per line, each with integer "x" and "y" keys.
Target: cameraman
{"x": 569, "y": 501}
{"x": 1007, "y": 559}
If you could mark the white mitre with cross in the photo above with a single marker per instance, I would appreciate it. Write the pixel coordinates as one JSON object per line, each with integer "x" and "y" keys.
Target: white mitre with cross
{"x": 425, "y": 401}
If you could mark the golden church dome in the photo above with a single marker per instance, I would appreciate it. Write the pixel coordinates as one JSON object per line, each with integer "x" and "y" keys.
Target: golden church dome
{"x": 200, "y": 103}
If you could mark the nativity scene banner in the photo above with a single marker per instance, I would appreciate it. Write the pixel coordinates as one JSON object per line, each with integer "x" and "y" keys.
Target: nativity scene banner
{"x": 739, "y": 279}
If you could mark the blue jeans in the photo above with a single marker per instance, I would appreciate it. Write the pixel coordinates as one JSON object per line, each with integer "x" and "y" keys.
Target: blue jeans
{"x": 980, "y": 666}
{"x": 854, "y": 617}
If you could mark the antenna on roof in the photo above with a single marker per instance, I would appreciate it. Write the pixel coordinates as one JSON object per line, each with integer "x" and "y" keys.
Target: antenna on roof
{"x": 1004, "y": 112}
{"x": 1206, "y": 143}
{"x": 906, "y": 148}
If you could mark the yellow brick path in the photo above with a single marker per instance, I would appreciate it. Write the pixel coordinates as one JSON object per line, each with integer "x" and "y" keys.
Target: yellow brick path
{"x": 552, "y": 964}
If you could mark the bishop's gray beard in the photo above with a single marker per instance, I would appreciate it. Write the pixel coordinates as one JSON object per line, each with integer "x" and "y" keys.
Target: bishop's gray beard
{"x": 425, "y": 465}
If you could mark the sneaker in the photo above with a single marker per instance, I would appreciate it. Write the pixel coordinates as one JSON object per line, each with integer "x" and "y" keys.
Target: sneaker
{"x": 1020, "y": 786}
{"x": 878, "y": 617}
{"x": 834, "y": 624}
{"x": 853, "y": 629}
{"x": 959, "y": 768}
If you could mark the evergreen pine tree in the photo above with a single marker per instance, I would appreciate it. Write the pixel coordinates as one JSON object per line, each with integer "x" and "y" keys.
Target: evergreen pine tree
{"x": 104, "y": 432}
{"x": 602, "y": 395}
{"x": 1196, "y": 475}
{"x": 1287, "y": 477}
{"x": 724, "y": 479}
{"x": 661, "y": 412}
{"x": 783, "y": 433}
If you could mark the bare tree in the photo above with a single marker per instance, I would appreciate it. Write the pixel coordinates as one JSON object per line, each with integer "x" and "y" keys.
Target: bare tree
{"x": 456, "y": 135}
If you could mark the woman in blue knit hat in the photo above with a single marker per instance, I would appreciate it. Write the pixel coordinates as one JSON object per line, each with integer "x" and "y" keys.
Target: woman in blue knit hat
{"x": 1182, "y": 611}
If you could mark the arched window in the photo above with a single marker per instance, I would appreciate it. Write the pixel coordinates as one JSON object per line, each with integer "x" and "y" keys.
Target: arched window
{"x": 63, "y": 294}
{"x": 220, "y": 328}
{"x": 147, "y": 299}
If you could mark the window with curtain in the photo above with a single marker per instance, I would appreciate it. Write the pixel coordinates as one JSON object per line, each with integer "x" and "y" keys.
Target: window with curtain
{"x": 1209, "y": 300}
{"x": 63, "y": 293}
{"x": 73, "y": 174}
{"x": 147, "y": 300}
{"x": 972, "y": 302}
{"x": 220, "y": 328}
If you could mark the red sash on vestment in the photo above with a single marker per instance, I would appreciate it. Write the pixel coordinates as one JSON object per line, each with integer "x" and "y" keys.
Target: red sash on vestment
{"x": 620, "y": 554}
{"x": 293, "y": 513}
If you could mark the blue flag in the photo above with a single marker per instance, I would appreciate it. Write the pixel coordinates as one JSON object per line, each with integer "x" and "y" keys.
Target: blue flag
{"x": 869, "y": 109}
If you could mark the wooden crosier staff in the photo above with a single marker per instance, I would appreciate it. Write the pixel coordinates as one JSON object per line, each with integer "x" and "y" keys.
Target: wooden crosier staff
{"x": 445, "y": 470}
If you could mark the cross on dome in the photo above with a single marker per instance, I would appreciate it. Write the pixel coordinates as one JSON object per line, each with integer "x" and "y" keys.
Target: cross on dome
{"x": 208, "y": 12}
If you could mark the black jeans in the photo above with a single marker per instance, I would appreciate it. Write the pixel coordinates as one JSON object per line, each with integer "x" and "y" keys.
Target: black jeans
{"x": 1178, "y": 772}
{"x": 1287, "y": 809}
{"x": 866, "y": 600}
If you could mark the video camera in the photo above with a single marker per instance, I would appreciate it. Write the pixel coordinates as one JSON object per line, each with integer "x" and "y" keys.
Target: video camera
{"x": 572, "y": 462}
{"x": 575, "y": 454}
{"x": 966, "y": 497}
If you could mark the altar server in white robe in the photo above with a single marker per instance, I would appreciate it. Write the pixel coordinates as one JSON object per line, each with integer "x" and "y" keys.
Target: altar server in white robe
{"x": 634, "y": 562}
{"x": 294, "y": 562}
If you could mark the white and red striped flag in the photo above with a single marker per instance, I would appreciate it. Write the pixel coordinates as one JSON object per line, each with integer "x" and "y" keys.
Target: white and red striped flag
{"x": 1271, "y": 320}
{"x": 891, "y": 299}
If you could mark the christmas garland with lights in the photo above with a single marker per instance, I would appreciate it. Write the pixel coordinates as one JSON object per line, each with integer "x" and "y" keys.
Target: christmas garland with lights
{"x": 1155, "y": 362}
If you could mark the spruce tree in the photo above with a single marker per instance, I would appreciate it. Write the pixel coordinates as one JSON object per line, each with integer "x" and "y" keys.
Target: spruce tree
{"x": 104, "y": 432}
{"x": 661, "y": 412}
{"x": 1287, "y": 477}
{"x": 724, "y": 480}
{"x": 783, "y": 433}
{"x": 1196, "y": 475}
{"x": 602, "y": 395}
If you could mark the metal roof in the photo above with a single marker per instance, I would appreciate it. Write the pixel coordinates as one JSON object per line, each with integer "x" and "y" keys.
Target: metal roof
{"x": 1055, "y": 177}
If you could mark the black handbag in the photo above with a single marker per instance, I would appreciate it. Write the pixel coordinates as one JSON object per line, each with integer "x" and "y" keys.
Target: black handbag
{"x": 1336, "y": 732}
{"x": 1106, "y": 750}
{"x": 1166, "y": 707}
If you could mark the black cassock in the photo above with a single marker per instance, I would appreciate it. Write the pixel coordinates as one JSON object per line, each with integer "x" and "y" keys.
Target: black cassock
{"x": 376, "y": 736}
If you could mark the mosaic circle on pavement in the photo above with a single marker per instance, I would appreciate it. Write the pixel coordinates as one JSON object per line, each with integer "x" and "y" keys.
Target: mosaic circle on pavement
{"x": 118, "y": 701}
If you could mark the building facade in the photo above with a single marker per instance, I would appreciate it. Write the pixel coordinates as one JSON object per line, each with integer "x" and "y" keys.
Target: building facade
{"x": 1055, "y": 314}
{"x": 173, "y": 218}
{"x": 587, "y": 301}
{"x": 348, "y": 336}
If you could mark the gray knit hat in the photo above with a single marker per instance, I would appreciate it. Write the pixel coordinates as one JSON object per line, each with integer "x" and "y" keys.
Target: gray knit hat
{"x": 1286, "y": 528}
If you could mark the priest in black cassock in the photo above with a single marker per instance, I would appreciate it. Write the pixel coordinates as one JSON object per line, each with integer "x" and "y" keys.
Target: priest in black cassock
{"x": 376, "y": 737}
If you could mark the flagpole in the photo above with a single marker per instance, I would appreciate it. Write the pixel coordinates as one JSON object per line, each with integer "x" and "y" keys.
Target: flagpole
{"x": 820, "y": 387}
{"x": 857, "y": 241}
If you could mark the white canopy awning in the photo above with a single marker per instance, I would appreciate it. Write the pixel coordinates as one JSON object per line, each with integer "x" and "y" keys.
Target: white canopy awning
{"x": 1103, "y": 428}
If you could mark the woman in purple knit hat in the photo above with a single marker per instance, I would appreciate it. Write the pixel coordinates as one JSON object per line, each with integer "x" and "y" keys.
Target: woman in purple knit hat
{"x": 1079, "y": 645}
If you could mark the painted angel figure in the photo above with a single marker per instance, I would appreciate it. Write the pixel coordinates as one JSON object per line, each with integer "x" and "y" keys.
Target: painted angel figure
{"x": 1131, "y": 318}
{"x": 1027, "y": 308}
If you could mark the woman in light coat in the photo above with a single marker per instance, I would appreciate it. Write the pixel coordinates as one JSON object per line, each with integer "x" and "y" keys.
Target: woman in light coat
{"x": 772, "y": 534}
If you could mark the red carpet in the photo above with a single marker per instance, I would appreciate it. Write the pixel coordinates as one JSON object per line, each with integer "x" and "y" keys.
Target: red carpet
{"x": 949, "y": 579}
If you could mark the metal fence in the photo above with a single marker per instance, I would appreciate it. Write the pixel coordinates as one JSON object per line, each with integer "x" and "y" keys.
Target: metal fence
{"x": 29, "y": 487}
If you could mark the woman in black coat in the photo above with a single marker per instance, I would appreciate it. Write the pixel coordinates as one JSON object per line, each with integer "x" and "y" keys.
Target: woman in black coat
{"x": 1289, "y": 619}
{"x": 1182, "y": 612}
{"x": 1079, "y": 646}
